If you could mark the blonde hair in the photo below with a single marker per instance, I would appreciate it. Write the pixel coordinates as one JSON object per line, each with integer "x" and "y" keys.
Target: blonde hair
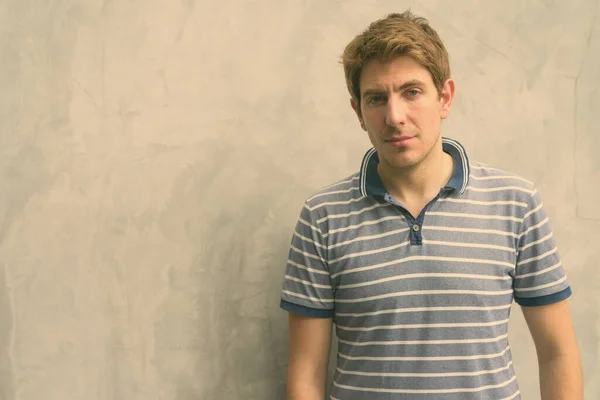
{"x": 394, "y": 36}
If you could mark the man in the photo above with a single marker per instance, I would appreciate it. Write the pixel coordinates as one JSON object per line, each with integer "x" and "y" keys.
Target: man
{"x": 418, "y": 256}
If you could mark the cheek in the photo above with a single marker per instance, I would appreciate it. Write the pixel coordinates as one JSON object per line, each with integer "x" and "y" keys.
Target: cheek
{"x": 428, "y": 117}
{"x": 373, "y": 122}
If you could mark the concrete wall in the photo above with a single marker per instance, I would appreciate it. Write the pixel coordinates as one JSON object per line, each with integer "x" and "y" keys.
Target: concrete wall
{"x": 154, "y": 156}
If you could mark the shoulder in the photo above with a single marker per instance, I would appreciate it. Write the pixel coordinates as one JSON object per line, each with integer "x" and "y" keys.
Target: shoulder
{"x": 483, "y": 177}
{"x": 344, "y": 191}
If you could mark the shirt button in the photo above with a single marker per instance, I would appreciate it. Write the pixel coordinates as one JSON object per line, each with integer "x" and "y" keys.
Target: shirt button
{"x": 416, "y": 228}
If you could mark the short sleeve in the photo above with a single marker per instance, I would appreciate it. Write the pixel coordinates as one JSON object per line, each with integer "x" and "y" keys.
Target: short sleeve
{"x": 539, "y": 278}
{"x": 307, "y": 285}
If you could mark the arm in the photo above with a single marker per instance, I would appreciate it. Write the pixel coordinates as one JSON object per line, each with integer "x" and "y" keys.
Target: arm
{"x": 557, "y": 352}
{"x": 310, "y": 342}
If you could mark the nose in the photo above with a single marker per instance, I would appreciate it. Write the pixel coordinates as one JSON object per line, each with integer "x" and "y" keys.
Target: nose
{"x": 395, "y": 112}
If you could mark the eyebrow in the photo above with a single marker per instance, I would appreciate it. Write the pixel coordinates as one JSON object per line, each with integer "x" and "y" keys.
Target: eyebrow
{"x": 405, "y": 85}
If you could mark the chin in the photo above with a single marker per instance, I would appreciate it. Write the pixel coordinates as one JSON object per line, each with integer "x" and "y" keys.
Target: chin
{"x": 403, "y": 163}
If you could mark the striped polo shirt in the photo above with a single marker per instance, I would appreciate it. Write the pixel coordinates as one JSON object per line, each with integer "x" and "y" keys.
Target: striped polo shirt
{"x": 421, "y": 303}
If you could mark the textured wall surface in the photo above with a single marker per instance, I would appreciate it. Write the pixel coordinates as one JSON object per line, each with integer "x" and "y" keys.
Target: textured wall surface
{"x": 154, "y": 155}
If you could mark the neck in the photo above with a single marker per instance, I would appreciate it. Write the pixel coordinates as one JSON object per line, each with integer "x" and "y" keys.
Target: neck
{"x": 421, "y": 182}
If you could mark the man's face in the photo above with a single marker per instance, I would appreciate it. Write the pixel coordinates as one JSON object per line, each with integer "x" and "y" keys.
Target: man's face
{"x": 401, "y": 110}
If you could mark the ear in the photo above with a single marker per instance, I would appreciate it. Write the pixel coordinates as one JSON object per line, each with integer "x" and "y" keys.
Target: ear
{"x": 356, "y": 108}
{"x": 446, "y": 98}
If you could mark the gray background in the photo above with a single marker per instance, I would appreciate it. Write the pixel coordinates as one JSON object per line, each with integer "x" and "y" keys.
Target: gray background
{"x": 154, "y": 156}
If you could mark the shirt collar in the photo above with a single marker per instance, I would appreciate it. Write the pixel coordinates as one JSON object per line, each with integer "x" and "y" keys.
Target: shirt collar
{"x": 371, "y": 185}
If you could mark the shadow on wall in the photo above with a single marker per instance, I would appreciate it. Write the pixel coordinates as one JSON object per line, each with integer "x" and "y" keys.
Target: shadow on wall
{"x": 232, "y": 341}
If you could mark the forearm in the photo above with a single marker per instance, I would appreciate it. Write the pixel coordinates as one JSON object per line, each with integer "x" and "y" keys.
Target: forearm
{"x": 304, "y": 391}
{"x": 561, "y": 378}
{"x": 310, "y": 343}
{"x": 557, "y": 351}
{"x": 305, "y": 386}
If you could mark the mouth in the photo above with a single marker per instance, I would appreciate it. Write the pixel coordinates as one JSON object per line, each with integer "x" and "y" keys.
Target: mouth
{"x": 399, "y": 141}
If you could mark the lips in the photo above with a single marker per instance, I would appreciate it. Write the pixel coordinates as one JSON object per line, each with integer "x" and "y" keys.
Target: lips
{"x": 399, "y": 141}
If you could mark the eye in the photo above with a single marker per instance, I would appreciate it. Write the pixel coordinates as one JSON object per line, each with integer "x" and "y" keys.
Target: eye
{"x": 412, "y": 93}
{"x": 376, "y": 99}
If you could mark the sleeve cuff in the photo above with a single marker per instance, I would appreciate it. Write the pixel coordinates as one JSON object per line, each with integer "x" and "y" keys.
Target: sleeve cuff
{"x": 306, "y": 311}
{"x": 543, "y": 300}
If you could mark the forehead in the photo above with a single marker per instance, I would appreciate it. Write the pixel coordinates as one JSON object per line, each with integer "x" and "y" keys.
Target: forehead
{"x": 384, "y": 74}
